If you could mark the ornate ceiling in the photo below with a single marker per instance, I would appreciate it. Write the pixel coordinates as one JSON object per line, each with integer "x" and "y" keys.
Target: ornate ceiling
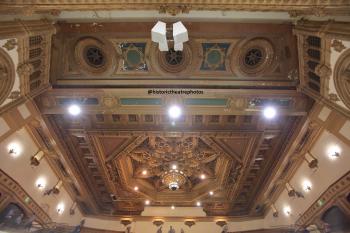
{"x": 124, "y": 139}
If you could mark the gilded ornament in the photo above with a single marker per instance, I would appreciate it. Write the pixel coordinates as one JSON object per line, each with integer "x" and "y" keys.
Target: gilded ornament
{"x": 25, "y": 69}
{"x": 338, "y": 45}
{"x": 174, "y": 9}
{"x": 10, "y": 44}
{"x": 190, "y": 223}
{"x": 323, "y": 71}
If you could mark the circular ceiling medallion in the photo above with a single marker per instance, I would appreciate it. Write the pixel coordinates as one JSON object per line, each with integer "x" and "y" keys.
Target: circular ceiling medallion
{"x": 7, "y": 75}
{"x": 94, "y": 56}
{"x": 342, "y": 77}
{"x": 175, "y": 62}
{"x": 254, "y": 58}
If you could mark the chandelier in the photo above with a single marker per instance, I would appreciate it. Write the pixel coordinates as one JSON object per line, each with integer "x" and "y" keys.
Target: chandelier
{"x": 174, "y": 179}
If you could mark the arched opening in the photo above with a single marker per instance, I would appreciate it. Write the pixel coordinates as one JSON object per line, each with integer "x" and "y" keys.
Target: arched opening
{"x": 338, "y": 221}
{"x": 12, "y": 216}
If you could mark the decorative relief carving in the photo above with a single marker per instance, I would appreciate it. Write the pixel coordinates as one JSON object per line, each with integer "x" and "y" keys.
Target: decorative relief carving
{"x": 323, "y": 71}
{"x": 10, "y": 44}
{"x": 7, "y": 75}
{"x": 174, "y": 9}
{"x": 94, "y": 57}
{"x": 254, "y": 58}
{"x": 25, "y": 69}
{"x": 338, "y": 45}
{"x": 342, "y": 77}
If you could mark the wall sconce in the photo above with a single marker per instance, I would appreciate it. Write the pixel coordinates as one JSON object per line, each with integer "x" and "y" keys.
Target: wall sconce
{"x": 55, "y": 189}
{"x": 35, "y": 159}
{"x": 287, "y": 210}
{"x": 40, "y": 183}
{"x": 60, "y": 208}
{"x": 290, "y": 190}
{"x": 14, "y": 149}
{"x": 274, "y": 211}
{"x": 311, "y": 160}
{"x": 307, "y": 186}
{"x": 334, "y": 152}
{"x": 221, "y": 222}
{"x": 189, "y": 222}
{"x": 126, "y": 221}
{"x": 72, "y": 208}
{"x": 158, "y": 222}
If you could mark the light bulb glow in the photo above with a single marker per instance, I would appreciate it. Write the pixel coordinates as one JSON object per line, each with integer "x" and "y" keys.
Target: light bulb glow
{"x": 74, "y": 110}
{"x": 40, "y": 183}
{"x": 174, "y": 112}
{"x": 174, "y": 167}
{"x": 203, "y": 176}
{"x": 136, "y": 188}
{"x": 144, "y": 172}
{"x": 333, "y": 152}
{"x": 172, "y": 207}
{"x": 211, "y": 193}
{"x": 287, "y": 210}
{"x": 307, "y": 186}
{"x": 14, "y": 149}
{"x": 270, "y": 112}
{"x": 147, "y": 202}
{"x": 60, "y": 208}
{"x": 198, "y": 203}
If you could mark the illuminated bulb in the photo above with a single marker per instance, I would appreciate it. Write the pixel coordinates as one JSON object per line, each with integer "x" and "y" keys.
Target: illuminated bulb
{"x": 307, "y": 186}
{"x": 334, "y": 152}
{"x": 74, "y": 110}
{"x": 147, "y": 202}
{"x": 144, "y": 172}
{"x": 174, "y": 167}
{"x": 270, "y": 112}
{"x": 211, "y": 193}
{"x": 60, "y": 208}
{"x": 14, "y": 150}
{"x": 173, "y": 123}
{"x": 136, "y": 188}
{"x": 172, "y": 207}
{"x": 174, "y": 112}
{"x": 203, "y": 176}
{"x": 287, "y": 210}
{"x": 40, "y": 183}
{"x": 198, "y": 203}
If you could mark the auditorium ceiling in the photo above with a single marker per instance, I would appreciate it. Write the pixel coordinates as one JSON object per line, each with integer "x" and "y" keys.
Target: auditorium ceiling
{"x": 124, "y": 150}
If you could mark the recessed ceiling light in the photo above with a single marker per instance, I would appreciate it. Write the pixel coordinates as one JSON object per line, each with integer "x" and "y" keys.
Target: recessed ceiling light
{"x": 270, "y": 112}
{"x": 203, "y": 176}
{"x": 174, "y": 167}
{"x": 287, "y": 210}
{"x": 40, "y": 183}
{"x": 172, "y": 207}
{"x": 74, "y": 110}
{"x": 211, "y": 193}
{"x": 334, "y": 152}
{"x": 198, "y": 203}
{"x": 147, "y": 202}
{"x": 174, "y": 112}
{"x": 60, "y": 208}
{"x": 144, "y": 172}
{"x": 136, "y": 188}
{"x": 307, "y": 185}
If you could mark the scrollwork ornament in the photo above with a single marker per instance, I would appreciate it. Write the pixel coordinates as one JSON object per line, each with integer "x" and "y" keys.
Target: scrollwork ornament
{"x": 174, "y": 9}
{"x": 10, "y": 44}
{"x": 323, "y": 71}
{"x": 338, "y": 45}
{"x": 25, "y": 69}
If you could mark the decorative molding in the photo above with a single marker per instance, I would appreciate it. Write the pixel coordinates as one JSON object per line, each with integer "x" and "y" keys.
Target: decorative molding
{"x": 10, "y": 44}
{"x": 174, "y": 9}
{"x": 294, "y": 7}
{"x": 158, "y": 222}
{"x": 338, "y": 45}
{"x": 323, "y": 71}
{"x": 7, "y": 75}
{"x": 190, "y": 222}
{"x": 341, "y": 77}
